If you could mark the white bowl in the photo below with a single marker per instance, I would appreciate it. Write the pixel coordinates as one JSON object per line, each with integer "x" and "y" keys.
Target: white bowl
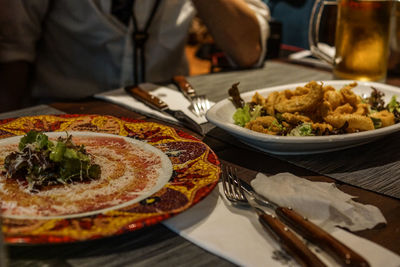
{"x": 221, "y": 115}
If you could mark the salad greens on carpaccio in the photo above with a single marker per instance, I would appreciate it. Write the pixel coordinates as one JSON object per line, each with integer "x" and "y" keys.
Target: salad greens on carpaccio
{"x": 314, "y": 109}
{"x": 41, "y": 162}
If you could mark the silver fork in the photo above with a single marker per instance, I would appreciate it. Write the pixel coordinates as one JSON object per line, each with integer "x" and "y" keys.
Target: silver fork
{"x": 304, "y": 227}
{"x": 199, "y": 103}
{"x": 289, "y": 242}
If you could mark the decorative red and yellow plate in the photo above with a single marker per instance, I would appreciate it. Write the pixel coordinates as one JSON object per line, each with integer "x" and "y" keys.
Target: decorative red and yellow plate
{"x": 176, "y": 171}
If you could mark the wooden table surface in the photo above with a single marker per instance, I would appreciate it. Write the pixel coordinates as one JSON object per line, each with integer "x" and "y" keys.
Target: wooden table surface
{"x": 159, "y": 246}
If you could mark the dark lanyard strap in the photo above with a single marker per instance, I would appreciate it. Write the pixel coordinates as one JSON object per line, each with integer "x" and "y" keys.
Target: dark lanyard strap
{"x": 139, "y": 38}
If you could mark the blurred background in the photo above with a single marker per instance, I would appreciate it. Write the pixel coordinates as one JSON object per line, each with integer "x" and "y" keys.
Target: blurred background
{"x": 289, "y": 34}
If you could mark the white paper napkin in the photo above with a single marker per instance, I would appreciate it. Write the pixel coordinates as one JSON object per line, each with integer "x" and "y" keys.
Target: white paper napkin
{"x": 320, "y": 202}
{"x": 236, "y": 235}
{"x": 173, "y": 98}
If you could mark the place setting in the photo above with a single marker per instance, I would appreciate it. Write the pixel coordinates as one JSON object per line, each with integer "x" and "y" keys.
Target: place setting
{"x": 326, "y": 153}
{"x": 199, "y": 224}
{"x": 143, "y": 172}
{"x": 183, "y": 189}
{"x": 178, "y": 158}
{"x": 286, "y": 161}
{"x": 187, "y": 195}
{"x": 182, "y": 106}
{"x": 233, "y": 231}
{"x": 288, "y": 190}
{"x": 183, "y": 182}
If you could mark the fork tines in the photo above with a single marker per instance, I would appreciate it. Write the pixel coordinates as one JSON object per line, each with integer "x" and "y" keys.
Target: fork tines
{"x": 200, "y": 105}
{"x": 231, "y": 185}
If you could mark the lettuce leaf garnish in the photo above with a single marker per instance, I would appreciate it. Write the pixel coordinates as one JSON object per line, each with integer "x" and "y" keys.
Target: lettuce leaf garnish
{"x": 377, "y": 122}
{"x": 304, "y": 129}
{"x": 242, "y": 115}
{"x": 393, "y": 104}
{"x": 246, "y": 114}
{"x": 42, "y": 162}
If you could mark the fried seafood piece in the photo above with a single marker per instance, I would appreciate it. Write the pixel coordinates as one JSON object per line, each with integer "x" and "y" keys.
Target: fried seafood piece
{"x": 323, "y": 109}
{"x": 270, "y": 103}
{"x": 264, "y": 124}
{"x": 282, "y": 96}
{"x": 355, "y": 122}
{"x": 301, "y": 103}
{"x": 295, "y": 118}
{"x": 362, "y": 109}
{"x": 386, "y": 117}
{"x": 288, "y": 93}
{"x": 301, "y": 90}
{"x": 344, "y": 109}
{"x": 322, "y": 127}
{"x": 258, "y": 99}
{"x": 349, "y": 96}
{"x": 328, "y": 88}
{"x": 334, "y": 97}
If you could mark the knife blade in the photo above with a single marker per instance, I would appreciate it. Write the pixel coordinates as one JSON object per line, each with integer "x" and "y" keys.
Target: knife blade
{"x": 156, "y": 103}
{"x": 292, "y": 244}
{"x": 310, "y": 231}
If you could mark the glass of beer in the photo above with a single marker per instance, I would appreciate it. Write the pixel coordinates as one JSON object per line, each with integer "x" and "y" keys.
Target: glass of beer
{"x": 361, "y": 39}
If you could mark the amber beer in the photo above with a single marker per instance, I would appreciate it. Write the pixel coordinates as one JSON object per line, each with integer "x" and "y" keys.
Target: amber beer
{"x": 362, "y": 39}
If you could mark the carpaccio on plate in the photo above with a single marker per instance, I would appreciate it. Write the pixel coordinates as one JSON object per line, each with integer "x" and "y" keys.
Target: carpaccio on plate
{"x": 195, "y": 173}
{"x": 128, "y": 171}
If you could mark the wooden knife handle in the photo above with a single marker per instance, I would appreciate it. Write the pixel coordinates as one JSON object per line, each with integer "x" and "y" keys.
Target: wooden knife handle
{"x": 289, "y": 241}
{"x": 146, "y": 97}
{"x": 342, "y": 253}
{"x": 184, "y": 86}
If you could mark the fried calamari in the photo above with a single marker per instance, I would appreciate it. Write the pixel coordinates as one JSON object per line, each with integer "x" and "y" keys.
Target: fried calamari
{"x": 316, "y": 109}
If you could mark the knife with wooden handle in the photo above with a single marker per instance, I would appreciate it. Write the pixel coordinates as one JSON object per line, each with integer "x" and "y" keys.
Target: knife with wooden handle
{"x": 184, "y": 86}
{"x": 310, "y": 231}
{"x": 156, "y": 103}
{"x": 289, "y": 242}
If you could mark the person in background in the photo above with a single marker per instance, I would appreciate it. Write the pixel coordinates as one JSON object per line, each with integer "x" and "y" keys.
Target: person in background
{"x": 294, "y": 16}
{"x": 394, "y": 59}
{"x": 70, "y": 49}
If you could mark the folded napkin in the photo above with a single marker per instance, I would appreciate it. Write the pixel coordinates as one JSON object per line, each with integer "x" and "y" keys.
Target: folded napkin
{"x": 173, "y": 98}
{"x": 236, "y": 235}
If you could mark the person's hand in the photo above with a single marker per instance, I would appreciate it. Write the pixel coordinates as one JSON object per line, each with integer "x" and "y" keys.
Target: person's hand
{"x": 234, "y": 27}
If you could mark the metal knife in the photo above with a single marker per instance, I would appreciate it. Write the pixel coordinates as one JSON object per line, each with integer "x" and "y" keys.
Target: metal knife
{"x": 310, "y": 231}
{"x": 292, "y": 244}
{"x": 156, "y": 103}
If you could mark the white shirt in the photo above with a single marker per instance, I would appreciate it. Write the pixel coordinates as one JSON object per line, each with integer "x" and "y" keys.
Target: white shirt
{"x": 85, "y": 29}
